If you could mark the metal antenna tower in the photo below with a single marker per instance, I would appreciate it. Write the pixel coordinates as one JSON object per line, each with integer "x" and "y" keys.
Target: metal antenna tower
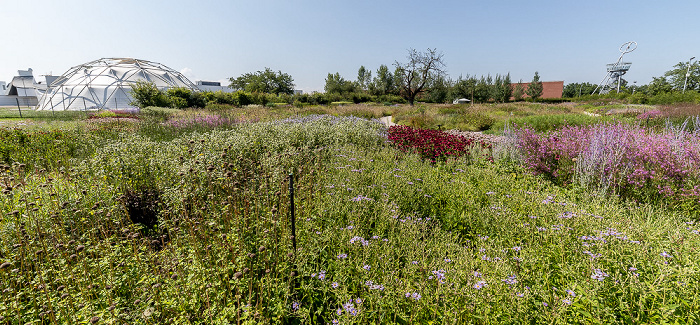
{"x": 616, "y": 70}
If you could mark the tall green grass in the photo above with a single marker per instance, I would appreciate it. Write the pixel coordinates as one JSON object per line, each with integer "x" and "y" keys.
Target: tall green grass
{"x": 381, "y": 236}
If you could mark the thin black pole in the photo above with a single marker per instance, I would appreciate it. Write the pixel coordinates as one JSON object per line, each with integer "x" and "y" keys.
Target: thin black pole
{"x": 20, "y": 109}
{"x": 291, "y": 211}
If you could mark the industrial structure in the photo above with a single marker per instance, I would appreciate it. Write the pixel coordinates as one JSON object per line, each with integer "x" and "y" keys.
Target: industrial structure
{"x": 613, "y": 79}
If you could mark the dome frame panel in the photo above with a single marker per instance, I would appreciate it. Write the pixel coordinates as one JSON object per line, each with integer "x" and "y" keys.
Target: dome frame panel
{"x": 99, "y": 82}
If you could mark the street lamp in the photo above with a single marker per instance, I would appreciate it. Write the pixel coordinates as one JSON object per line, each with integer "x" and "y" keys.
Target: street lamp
{"x": 687, "y": 74}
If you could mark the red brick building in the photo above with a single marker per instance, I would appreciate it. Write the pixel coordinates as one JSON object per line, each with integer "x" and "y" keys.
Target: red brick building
{"x": 550, "y": 89}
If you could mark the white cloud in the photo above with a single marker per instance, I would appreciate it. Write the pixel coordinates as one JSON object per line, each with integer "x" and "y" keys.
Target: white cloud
{"x": 187, "y": 72}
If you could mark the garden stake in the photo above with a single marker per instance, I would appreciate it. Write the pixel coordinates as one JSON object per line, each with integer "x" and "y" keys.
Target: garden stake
{"x": 291, "y": 211}
{"x": 20, "y": 110}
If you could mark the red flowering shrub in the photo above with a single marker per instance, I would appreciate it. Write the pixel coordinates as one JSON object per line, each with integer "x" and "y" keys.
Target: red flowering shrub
{"x": 431, "y": 145}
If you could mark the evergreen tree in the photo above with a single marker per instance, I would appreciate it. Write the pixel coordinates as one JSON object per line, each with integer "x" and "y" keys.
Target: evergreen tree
{"x": 364, "y": 78}
{"x": 519, "y": 91}
{"x": 383, "y": 83}
{"x": 534, "y": 89}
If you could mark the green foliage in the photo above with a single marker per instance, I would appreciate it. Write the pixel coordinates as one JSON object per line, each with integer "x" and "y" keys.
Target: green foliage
{"x": 181, "y": 97}
{"x": 266, "y": 81}
{"x": 519, "y": 91}
{"x": 438, "y": 90}
{"x": 418, "y": 72}
{"x": 335, "y": 84}
{"x": 106, "y": 114}
{"x": 658, "y": 86}
{"x": 463, "y": 87}
{"x": 576, "y": 89}
{"x": 384, "y": 83}
{"x": 364, "y": 78}
{"x": 543, "y": 123}
{"x": 677, "y": 76}
{"x": 161, "y": 113}
{"x": 147, "y": 94}
{"x": 534, "y": 89}
{"x": 457, "y": 242}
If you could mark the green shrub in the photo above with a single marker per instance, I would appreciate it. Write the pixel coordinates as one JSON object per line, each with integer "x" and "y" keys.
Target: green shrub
{"x": 106, "y": 114}
{"x": 542, "y": 123}
{"x": 146, "y": 94}
{"x": 158, "y": 112}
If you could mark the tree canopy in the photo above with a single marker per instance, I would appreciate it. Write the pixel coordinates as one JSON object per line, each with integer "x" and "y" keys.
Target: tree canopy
{"x": 267, "y": 81}
{"x": 676, "y": 76}
{"x": 535, "y": 88}
{"x": 420, "y": 70}
{"x": 338, "y": 85}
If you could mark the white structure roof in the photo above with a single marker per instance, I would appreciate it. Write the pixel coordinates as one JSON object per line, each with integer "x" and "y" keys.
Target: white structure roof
{"x": 106, "y": 84}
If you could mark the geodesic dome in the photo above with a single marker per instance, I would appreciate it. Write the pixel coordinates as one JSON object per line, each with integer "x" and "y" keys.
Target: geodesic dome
{"x": 106, "y": 84}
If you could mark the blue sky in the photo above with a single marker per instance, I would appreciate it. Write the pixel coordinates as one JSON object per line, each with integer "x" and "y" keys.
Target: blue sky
{"x": 214, "y": 40}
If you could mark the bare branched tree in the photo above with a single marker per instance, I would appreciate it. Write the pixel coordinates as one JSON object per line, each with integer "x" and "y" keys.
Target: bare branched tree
{"x": 416, "y": 74}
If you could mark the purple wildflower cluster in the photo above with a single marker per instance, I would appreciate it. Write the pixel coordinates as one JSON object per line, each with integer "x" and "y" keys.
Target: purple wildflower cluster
{"x": 321, "y": 275}
{"x": 361, "y": 198}
{"x": 649, "y": 115}
{"x": 599, "y": 275}
{"x": 630, "y": 159}
{"x": 372, "y": 286}
{"x": 479, "y": 285}
{"x": 511, "y": 280}
{"x": 207, "y": 120}
{"x": 415, "y": 296}
{"x": 352, "y": 307}
{"x": 358, "y": 239}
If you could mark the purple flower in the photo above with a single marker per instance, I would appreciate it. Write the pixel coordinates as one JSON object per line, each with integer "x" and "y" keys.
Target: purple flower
{"x": 334, "y": 285}
{"x": 664, "y": 254}
{"x": 366, "y": 267}
{"x": 361, "y": 198}
{"x": 342, "y": 256}
{"x": 295, "y": 306}
{"x": 571, "y": 292}
{"x": 511, "y": 280}
{"x": 479, "y": 284}
{"x": 599, "y": 275}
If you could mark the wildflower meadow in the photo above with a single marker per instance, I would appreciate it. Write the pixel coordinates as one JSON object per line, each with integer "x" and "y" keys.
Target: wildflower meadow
{"x": 187, "y": 218}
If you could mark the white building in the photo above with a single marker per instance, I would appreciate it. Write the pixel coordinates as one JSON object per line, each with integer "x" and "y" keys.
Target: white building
{"x": 213, "y": 86}
{"x": 23, "y": 88}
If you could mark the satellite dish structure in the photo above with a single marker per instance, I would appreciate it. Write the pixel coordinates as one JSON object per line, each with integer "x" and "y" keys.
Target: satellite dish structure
{"x": 616, "y": 70}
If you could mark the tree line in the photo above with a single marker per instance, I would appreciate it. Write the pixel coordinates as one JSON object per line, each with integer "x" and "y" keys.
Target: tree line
{"x": 421, "y": 77}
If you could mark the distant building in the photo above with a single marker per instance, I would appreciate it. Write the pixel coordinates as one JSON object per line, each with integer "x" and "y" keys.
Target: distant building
{"x": 213, "y": 86}
{"x": 24, "y": 88}
{"x": 550, "y": 89}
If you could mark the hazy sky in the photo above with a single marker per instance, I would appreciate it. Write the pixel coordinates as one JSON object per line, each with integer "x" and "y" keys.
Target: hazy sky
{"x": 214, "y": 40}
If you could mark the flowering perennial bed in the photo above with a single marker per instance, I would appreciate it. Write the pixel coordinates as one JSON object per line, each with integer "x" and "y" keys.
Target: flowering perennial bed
{"x": 431, "y": 145}
{"x": 631, "y": 160}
